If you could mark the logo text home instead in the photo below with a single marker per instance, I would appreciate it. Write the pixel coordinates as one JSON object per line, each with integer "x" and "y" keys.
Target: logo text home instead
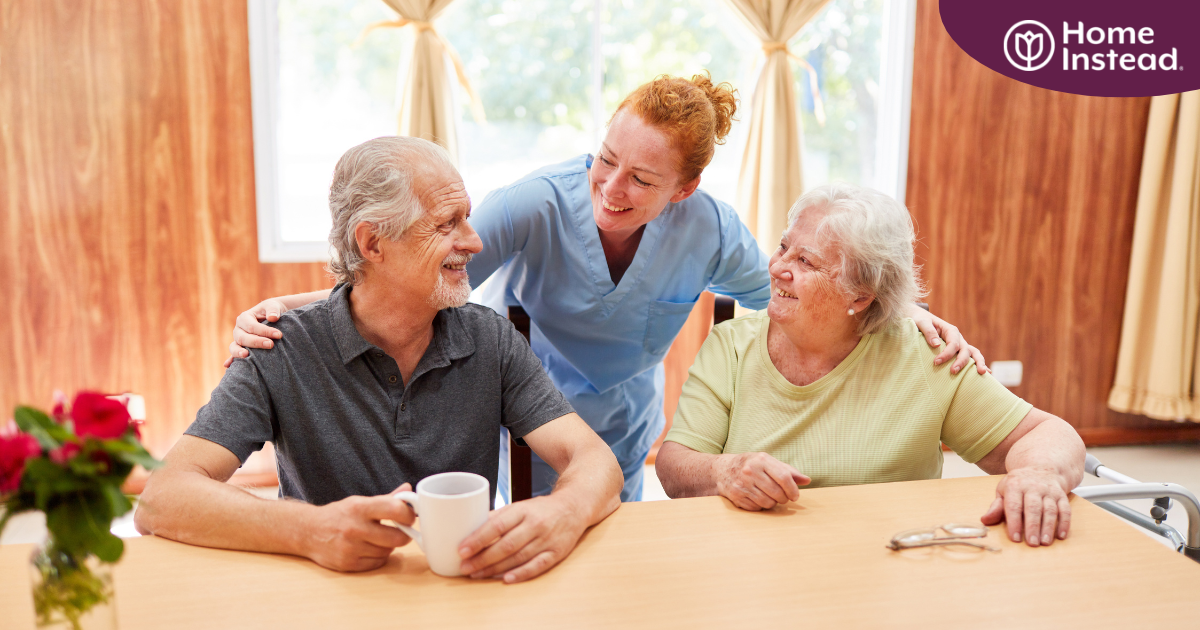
{"x": 1030, "y": 45}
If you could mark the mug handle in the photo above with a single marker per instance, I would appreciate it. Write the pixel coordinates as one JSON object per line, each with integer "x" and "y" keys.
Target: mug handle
{"x": 410, "y": 498}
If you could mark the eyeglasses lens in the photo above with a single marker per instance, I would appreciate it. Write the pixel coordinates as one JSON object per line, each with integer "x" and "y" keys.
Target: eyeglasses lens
{"x": 965, "y": 531}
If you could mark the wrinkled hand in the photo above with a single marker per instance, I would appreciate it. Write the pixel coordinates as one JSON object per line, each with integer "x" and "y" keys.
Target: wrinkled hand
{"x": 249, "y": 333}
{"x": 757, "y": 481}
{"x": 522, "y": 540}
{"x": 348, "y": 536}
{"x": 1034, "y": 505}
{"x": 936, "y": 330}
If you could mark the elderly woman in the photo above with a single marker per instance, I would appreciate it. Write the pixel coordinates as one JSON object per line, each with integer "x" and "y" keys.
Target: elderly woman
{"x": 833, "y": 385}
{"x": 608, "y": 254}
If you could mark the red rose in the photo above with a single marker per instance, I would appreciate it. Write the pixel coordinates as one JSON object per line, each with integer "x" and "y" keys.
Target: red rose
{"x": 61, "y": 454}
{"x": 14, "y": 450}
{"x": 99, "y": 416}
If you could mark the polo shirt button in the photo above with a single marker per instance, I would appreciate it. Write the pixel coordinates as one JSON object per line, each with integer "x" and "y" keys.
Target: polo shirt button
{"x": 392, "y": 378}
{"x": 377, "y": 354}
{"x": 401, "y": 406}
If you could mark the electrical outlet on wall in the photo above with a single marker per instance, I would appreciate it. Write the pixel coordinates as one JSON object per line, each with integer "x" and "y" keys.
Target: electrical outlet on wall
{"x": 1009, "y": 373}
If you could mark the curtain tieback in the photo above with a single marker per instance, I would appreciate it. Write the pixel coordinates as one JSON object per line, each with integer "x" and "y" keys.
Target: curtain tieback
{"x": 770, "y": 47}
{"x": 459, "y": 69}
{"x": 818, "y": 104}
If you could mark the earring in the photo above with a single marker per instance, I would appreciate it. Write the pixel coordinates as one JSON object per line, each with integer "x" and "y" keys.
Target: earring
{"x": 850, "y": 312}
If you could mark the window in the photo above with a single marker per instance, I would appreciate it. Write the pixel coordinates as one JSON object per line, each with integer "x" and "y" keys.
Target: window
{"x": 537, "y": 67}
{"x": 549, "y": 74}
{"x": 856, "y": 119}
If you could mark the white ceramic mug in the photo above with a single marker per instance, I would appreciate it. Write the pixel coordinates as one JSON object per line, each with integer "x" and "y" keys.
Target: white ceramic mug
{"x": 451, "y": 506}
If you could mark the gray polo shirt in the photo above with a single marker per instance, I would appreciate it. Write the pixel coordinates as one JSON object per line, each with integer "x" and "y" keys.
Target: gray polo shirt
{"x": 342, "y": 420}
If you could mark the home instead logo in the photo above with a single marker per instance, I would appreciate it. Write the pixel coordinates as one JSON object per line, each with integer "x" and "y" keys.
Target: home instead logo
{"x": 1092, "y": 47}
{"x": 1029, "y": 41}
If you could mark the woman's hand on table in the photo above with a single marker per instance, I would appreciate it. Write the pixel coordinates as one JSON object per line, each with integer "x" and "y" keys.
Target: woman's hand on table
{"x": 1033, "y": 503}
{"x": 347, "y": 535}
{"x": 522, "y": 540}
{"x": 250, "y": 332}
{"x": 757, "y": 481}
{"x": 937, "y": 331}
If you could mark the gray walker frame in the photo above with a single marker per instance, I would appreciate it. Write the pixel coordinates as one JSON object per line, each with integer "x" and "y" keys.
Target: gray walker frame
{"x": 1164, "y": 495}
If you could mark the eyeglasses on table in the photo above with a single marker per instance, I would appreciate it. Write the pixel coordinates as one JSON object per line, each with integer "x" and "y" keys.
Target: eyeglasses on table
{"x": 948, "y": 534}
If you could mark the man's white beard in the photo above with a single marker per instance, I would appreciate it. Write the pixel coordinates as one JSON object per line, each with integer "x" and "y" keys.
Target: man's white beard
{"x": 448, "y": 294}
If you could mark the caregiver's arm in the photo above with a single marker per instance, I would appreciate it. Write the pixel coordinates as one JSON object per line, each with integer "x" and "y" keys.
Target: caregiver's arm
{"x": 1042, "y": 460}
{"x": 936, "y": 330}
{"x": 250, "y": 332}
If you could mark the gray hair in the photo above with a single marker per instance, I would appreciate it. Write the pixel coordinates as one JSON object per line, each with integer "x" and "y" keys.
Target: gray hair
{"x": 874, "y": 236}
{"x": 373, "y": 182}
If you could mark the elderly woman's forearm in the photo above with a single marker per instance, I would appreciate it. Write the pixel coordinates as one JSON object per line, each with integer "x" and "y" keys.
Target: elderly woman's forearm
{"x": 1052, "y": 444}
{"x": 684, "y": 472}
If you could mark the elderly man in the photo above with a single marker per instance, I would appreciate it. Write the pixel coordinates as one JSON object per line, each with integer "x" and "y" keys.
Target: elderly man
{"x": 391, "y": 379}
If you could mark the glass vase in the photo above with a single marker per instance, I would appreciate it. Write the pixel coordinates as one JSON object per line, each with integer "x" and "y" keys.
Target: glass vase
{"x": 71, "y": 592}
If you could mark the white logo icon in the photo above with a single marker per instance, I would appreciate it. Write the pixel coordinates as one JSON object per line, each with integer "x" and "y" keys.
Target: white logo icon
{"x": 1029, "y": 45}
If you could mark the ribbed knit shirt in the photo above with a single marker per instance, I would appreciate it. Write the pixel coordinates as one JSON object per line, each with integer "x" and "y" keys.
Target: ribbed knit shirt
{"x": 879, "y": 416}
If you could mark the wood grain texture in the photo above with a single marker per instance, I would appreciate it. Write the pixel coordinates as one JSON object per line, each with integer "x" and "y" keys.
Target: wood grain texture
{"x": 1024, "y": 200}
{"x": 127, "y": 196}
{"x": 820, "y": 562}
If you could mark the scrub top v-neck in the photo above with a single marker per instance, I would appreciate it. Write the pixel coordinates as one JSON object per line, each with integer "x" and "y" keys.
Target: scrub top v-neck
{"x": 603, "y": 343}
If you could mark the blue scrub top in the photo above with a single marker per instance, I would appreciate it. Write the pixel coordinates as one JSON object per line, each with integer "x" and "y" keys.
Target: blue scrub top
{"x": 603, "y": 344}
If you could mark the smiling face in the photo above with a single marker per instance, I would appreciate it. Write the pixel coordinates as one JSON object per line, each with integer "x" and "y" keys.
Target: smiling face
{"x": 804, "y": 280}
{"x": 634, "y": 176}
{"x": 428, "y": 261}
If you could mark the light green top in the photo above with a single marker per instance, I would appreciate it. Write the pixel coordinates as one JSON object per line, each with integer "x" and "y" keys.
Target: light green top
{"x": 879, "y": 416}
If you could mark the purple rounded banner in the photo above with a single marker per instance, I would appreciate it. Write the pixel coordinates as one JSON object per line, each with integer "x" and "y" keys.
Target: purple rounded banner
{"x": 1090, "y": 47}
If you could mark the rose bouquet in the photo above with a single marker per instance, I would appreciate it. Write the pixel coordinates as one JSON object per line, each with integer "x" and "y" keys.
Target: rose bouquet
{"x": 70, "y": 464}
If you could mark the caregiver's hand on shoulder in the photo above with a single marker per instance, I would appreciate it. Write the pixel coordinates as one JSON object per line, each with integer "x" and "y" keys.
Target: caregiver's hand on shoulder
{"x": 522, "y": 540}
{"x": 249, "y": 332}
{"x": 757, "y": 481}
{"x": 1033, "y": 502}
{"x": 937, "y": 330}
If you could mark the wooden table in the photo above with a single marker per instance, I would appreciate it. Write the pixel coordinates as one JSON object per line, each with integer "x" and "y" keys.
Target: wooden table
{"x": 695, "y": 563}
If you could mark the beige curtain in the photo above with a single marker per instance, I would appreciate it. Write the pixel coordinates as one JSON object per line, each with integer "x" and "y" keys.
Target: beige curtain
{"x": 771, "y": 177}
{"x": 427, "y": 105}
{"x": 1156, "y": 368}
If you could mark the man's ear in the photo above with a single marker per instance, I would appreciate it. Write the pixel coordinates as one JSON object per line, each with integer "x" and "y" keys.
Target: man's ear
{"x": 368, "y": 242}
{"x": 686, "y": 191}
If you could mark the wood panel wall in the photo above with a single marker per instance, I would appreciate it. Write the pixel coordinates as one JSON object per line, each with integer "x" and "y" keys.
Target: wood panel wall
{"x": 128, "y": 234}
{"x": 1024, "y": 200}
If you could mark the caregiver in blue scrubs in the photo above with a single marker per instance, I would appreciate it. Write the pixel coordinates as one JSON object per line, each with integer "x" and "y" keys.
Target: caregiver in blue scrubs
{"x": 608, "y": 254}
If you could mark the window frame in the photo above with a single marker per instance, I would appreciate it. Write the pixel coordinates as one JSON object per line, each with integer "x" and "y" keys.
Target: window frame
{"x": 895, "y": 104}
{"x": 263, "y": 21}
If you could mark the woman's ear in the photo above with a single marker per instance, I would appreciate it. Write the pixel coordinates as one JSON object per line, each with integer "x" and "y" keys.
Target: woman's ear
{"x": 862, "y": 303}
{"x": 368, "y": 242}
{"x": 686, "y": 191}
